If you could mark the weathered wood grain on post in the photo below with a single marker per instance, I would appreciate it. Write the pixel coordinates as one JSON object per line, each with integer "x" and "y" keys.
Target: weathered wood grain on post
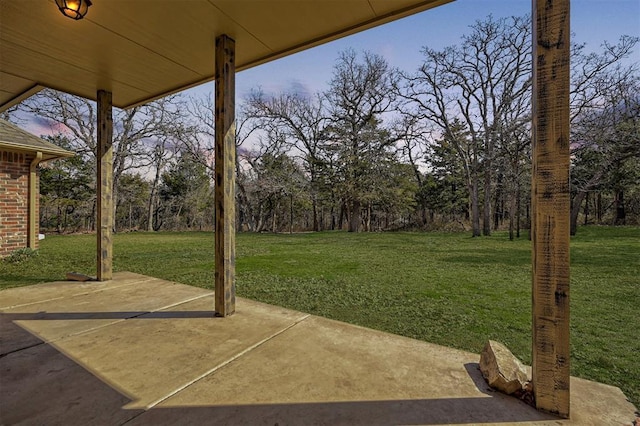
{"x": 225, "y": 159}
{"x": 32, "y": 226}
{"x": 104, "y": 187}
{"x": 551, "y": 205}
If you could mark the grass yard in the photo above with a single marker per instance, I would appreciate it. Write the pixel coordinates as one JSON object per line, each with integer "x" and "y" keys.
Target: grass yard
{"x": 448, "y": 289}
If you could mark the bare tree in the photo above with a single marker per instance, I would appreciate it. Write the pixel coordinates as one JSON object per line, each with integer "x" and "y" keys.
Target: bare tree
{"x": 158, "y": 158}
{"x": 303, "y": 121}
{"x": 359, "y": 94}
{"x": 606, "y": 124}
{"x": 413, "y": 137}
{"x": 200, "y": 140}
{"x": 263, "y": 179}
{"x": 136, "y": 130}
{"x": 594, "y": 75}
{"x": 475, "y": 85}
{"x": 10, "y": 115}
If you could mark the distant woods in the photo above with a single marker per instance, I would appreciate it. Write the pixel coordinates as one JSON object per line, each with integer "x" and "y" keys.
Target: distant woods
{"x": 443, "y": 147}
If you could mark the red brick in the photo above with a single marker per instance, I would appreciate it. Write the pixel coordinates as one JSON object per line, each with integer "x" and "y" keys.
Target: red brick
{"x": 14, "y": 186}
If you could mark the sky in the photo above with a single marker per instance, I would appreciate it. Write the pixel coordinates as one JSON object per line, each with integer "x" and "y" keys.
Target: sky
{"x": 400, "y": 42}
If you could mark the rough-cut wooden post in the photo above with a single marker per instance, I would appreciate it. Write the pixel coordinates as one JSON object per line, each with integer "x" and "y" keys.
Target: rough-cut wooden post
{"x": 225, "y": 159}
{"x": 550, "y": 204}
{"x": 104, "y": 187}
{"x": 32, "y": 236}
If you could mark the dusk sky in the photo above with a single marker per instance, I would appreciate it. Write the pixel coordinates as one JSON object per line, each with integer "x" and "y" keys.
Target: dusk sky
{"x": 400, "y": 42}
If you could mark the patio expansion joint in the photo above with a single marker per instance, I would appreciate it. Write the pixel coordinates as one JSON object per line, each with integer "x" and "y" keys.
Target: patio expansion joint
{"x": 4, "y": 354}
{"x": 84, "y": 293}
{"x": 173, "y": 305}
{"x": 142, "y": 313}
{"x": 20, "y": 305}
{"x": 227, "y": 362}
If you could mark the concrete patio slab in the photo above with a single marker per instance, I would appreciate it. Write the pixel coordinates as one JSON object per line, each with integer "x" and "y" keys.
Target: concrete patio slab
{"x": 333, "y": 367}
{"x": 143, "y": 351}
{"x": 41, "y": 386}
{"x": 328, "y": 361}
{"x": 329, "y": 364}
{"x": 59, "y": 290}
{"x": 79, "y": 312}
{"x": 151, "y": 357}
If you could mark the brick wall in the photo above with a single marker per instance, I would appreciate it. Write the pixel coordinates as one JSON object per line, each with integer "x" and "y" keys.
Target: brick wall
{"x": 14, "y": 201}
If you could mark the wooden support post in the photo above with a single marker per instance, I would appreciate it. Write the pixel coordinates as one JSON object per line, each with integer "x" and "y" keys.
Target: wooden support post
{"x": 225, "y": 160}
{"x": 104, "y": 187}
{"x": 550, "y": 205}
{"x": 32, "y": 235}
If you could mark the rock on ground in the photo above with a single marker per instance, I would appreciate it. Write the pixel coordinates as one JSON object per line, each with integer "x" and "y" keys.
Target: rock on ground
{"x": 501, "y": 369}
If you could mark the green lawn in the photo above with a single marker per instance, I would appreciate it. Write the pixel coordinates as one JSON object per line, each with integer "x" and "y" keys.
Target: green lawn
{"x": 448, "y": 289}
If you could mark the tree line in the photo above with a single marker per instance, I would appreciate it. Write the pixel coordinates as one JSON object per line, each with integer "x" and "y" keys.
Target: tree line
{"x": 446, "y": 146}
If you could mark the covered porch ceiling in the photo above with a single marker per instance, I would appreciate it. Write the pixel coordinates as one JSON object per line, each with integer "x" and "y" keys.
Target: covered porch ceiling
{"x": 125, "y": 53}
{"x": 142, "y": 50}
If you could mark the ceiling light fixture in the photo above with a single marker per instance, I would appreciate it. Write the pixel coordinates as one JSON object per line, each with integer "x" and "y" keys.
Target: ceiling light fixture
{"x": 74, "y": 9}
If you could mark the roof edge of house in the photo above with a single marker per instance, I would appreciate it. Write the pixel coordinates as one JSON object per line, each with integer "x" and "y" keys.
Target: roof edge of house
{"x": 50, "y": 151}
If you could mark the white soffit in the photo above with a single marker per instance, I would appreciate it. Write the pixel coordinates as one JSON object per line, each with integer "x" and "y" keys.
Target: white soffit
{"x": 141, "y": 50}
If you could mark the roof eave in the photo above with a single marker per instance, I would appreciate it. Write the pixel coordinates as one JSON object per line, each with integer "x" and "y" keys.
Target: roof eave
{"x": 47, "y": 153}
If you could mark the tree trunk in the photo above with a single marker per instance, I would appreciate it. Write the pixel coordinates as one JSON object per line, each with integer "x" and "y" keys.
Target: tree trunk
{"x": 274, "y": 218}
{"x": 475, "y": 210}
{"x": 580, "y": 196}
{"x": 513, "y": 205}
{"x": 314, "y": 206}
{"x": 332, "y": 213}
{"x": 156, "y": 220}
{"x": 116, "y": 198}
{"x": 342, "y": 213}
{"x": 261, "y": 219}
{"x": 575, "y": 210}
{"x": 178, "y": 213}
{"x": 518, "y": 209}
{"x": 486, "y": 207}
{"x": 486, "y": 211}
{"x": 498, "y": 214}
{"x": 586, "y": 210}
{"x": 354, "y": 217}
{"x": 151, "y": 210}
{"x": 291, "y": 214}
{"x": 620, "y": 211}
{"x": 152, "y": 200}
{"x": 244, "y": 209}
{"x": 92, "y": 218}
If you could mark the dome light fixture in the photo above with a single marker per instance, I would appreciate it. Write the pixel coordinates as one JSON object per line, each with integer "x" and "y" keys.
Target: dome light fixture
{"x": 74, "y": 9}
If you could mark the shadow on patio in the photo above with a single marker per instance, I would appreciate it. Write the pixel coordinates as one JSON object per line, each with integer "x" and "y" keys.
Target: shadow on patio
{"x": 140, "y": 350}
